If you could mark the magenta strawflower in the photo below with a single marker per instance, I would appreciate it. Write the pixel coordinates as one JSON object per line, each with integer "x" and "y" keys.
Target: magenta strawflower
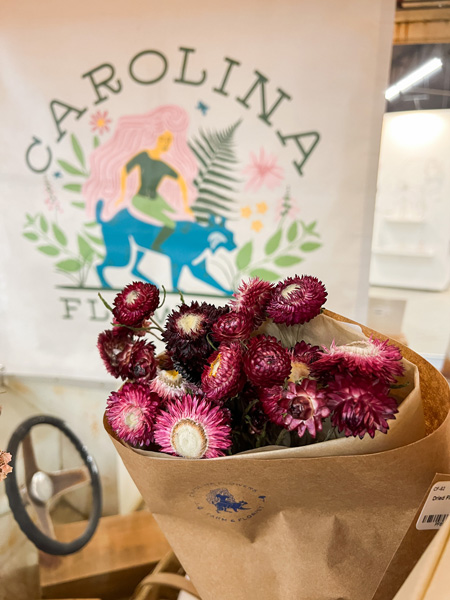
{"x": 141, "y": 362}
{"x": 170, "y": 384}
{"x": 301, "y": 406}
{"x": 302, "y": 357}
{"x": 233, "y": 326}
{"x": 131, "y": 412}
{"x": 136, "y": 303}
{"x": 5, "y": 458}
{"x": 192, "y": 427}
{"x": 252, "y": 298}
{"x": 360, "y": 406}
{"x": 115, "y": 346}
{"x": 296, "y": 300}
{"x": 266, "y": 362}
{"x": 223, "y": 377}
{"x": 369, "y": 358}
{"x": 186, "y": 338}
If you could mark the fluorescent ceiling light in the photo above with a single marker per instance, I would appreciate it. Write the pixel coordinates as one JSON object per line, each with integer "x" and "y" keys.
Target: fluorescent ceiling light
{"x": 427, "y": 69}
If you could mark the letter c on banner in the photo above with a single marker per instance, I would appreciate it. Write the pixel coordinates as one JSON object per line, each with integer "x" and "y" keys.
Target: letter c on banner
{"x": 28, "y": 152}
{"x": 155, "y": 79}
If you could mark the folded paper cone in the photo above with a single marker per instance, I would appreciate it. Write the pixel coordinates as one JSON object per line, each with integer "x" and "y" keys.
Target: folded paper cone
{"x": 291, "y": 525}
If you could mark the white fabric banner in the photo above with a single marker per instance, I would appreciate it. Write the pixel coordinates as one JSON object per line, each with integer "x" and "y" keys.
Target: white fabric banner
{"x": 187, "y": 144}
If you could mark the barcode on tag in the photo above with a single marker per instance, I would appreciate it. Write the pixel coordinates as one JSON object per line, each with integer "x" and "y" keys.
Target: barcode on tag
{"x": 436, "y": 508}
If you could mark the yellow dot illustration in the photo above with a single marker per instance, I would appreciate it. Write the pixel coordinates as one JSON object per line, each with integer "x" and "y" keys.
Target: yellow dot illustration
{"x": 246, "y": 211}
{"x": 257, "y": 226}
{"x": 261, "y": 207}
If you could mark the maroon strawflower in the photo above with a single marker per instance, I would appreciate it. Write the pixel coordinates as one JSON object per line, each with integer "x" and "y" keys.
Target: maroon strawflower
{"x": 233, "y": 326}
{"x": 360, "y": 406}
{"x": 266, "y": 362}
{"x": 296, "y": 300}
{"x": 169, "y": 384}
{"x": 186, "y": 336}
{"x": 131, "y": 412}
{"x": 369, "y": 358}
{"x": 192, "y": 427}
{"x": 115, "y": 346}
{"x": 141, "y": 364}
{"x": 301, "y": 406}
{"x": 252, "y": 298}
{"x": 302, "y": 357}
{"x": 222, "y": 377}
{"x": 136, "y": 303}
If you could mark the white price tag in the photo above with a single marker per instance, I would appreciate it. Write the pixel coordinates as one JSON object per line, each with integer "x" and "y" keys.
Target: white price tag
{"x": 436, "y": 508}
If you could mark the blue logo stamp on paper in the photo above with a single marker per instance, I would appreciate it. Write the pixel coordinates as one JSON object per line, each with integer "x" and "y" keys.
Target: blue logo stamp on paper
{"x": 228, "y": 502}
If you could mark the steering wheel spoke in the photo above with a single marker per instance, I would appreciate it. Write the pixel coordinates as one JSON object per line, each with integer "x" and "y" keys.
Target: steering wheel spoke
{"x": 29, "y": 459}
{"x": 45, "y": 521}
{"x": 68, "y": 479}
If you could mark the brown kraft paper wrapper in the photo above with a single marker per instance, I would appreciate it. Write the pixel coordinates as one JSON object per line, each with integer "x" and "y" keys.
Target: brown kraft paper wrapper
{"x": 288, "y": 525}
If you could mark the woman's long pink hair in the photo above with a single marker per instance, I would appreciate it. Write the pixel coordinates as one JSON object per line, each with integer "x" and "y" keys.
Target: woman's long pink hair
{"x": 134, "y": 134}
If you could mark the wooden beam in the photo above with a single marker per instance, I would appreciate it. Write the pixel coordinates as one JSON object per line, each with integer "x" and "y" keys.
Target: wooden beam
{"x": 427, "y": 26}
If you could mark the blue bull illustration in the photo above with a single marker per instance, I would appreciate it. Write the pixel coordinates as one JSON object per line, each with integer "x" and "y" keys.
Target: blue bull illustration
{"x": 185, "y": 247}
{"x": 224, "y": 501}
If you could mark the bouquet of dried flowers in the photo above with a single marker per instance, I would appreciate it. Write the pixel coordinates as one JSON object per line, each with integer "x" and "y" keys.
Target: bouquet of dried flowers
{"x": 237, "y": 377}
{"x": 5, "y": 459}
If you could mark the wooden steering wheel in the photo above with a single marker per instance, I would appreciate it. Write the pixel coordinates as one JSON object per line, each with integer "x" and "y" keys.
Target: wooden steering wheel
{"x": 42, "y": 488}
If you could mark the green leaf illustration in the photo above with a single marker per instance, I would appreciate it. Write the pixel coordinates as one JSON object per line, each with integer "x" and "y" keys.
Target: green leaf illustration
{"x": 43, "y": 223}
{"x": 30, "y": 219}
{"x": 79, "y": 204}
{"x": 70, "y": 168}
{"x": 215, "y": 154}
{"x": 91, "y": 224}
{"x": 287, "y": 260}
{"x": 70, "y": 265}
{"x": 310, "y": 246}
{"x": 96, "y": 141}
{"x": 273, "y": 242}
{"x": 244, "y": 256}
{"x": 95, "y": 239}
{"x": 59, "y": 235}
{"x": 78, "y": 151}
{"x": 265, "y": 274}
{"x": 73, "y": 187}
{"x": 49, "y": 250}
{"x": 310, "y": 228}
{"x": 292, "y": 232}
{"x": 31, "y": 236}
{"x": 86, "y": 250}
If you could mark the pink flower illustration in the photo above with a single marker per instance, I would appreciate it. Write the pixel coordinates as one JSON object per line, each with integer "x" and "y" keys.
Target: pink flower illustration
{"x": 100, "y": 121}
{"x": 263, "y": 170}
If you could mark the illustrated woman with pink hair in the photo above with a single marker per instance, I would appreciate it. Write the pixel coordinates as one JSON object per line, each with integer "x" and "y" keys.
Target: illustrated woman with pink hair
{"x": 147, "y": 167}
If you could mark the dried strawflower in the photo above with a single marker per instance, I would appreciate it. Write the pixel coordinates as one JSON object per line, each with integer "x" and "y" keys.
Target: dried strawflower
{"x": 301, "y": 406}
{"x": 131, "y": 412}
{"x": 141, "y": 362}
{"x": 233, "y": 326}
{"x": 5, "y": 458}
{"x": 296, "y": 300}
{"x": 360, "y": 406}
{"x": 170, "y": 384}
{"x": 136, "y": 303}
{"x": 302, "y": 357}
{"x": 266, "y": 362}
{"x": 223, "y": 377}
{"x": 252, "y": 298}
{"x": 192, "y": 427}
{"x": 115, "y": 346}
{"x": 369, "y": 358}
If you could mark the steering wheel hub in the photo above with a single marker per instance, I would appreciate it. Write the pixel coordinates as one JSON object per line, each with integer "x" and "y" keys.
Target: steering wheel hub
{"x": 41, "y": 487}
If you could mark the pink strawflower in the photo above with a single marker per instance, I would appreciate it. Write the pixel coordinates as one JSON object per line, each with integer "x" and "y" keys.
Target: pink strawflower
{"x": 233, "y": 326}
{"x": 252, "y": 298}
{"x": 296, "y": 300}
{"x": 192, "y": 427}
{"x": 223, "y": 377}
{"x": 301, "y": 406}
{"x": 115, "y": 346}
{"x": 302, "y": 357}
{"x": 170, "y": 384}
{"x": 369, "y": 358}
{"x": 141, "y": 362}
{"x": 360, "y": 406}
{"x": 131, "y": 412}
{"x": 266, "y": 362}
{"x": 5, "y": 458}
{"x": 136, "y": 303}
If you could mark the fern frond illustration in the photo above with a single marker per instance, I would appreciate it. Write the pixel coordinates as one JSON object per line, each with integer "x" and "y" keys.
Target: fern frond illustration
{"x": 215, "y": 182}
